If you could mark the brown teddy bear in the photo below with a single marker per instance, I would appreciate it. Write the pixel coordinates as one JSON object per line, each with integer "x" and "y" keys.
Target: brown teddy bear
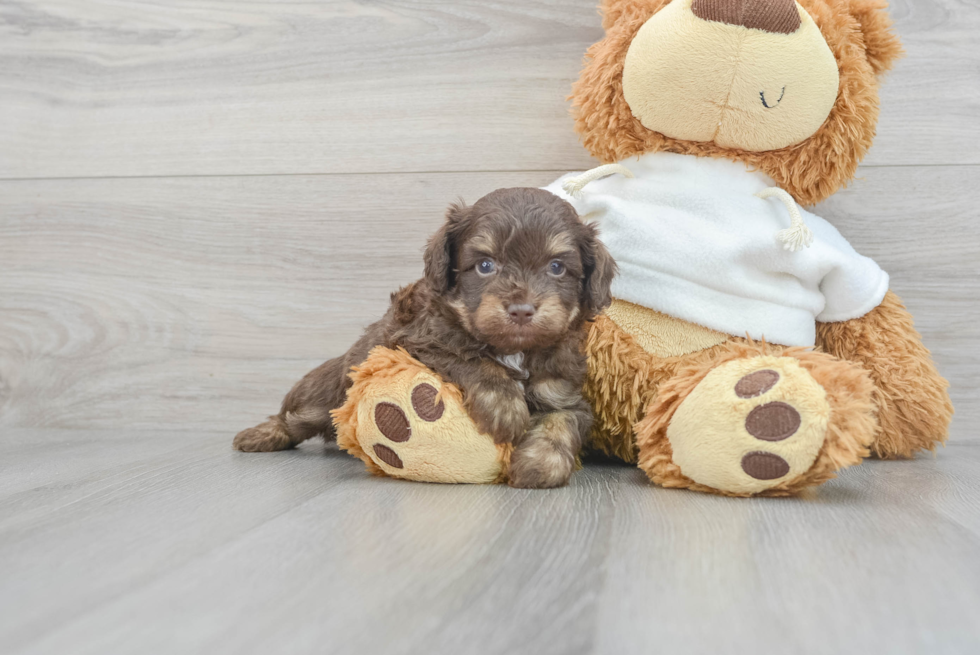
{"x": 750, "y": 350}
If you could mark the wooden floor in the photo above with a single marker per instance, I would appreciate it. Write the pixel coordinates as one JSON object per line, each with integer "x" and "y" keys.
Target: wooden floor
{"x": 202, "y": 199}
{"x": 161, "y": 542}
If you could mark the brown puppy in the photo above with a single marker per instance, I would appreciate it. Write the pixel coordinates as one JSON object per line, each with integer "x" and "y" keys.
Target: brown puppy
{"x": 509, "y": 284}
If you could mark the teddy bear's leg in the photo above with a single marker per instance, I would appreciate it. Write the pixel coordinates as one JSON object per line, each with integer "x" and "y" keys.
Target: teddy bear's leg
{"x": 622, "y": 380}
{"x": 757, "y": 419}
{"x": 913, "y": 405}
{"x": 403, "y": 421}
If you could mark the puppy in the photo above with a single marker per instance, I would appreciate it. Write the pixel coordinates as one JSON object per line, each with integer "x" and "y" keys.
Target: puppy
{"x": 509, "y": 284}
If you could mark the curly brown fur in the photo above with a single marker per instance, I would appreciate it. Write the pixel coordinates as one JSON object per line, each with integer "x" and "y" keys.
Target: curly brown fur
{"x": 517, "y": 274}
{"x": 860, "y": 37}
{"x": 914, "y": 409}
{"x": 546, "y": 456}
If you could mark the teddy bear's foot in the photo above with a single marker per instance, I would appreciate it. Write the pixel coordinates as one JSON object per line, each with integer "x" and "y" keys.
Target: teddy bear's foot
{"x": 767, "y": 424}
{"x": 750, "y": 424}
{"x": 403, "y": 421}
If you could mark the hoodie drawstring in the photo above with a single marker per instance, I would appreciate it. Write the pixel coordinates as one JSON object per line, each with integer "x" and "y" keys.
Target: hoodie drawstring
{"x": 573, "y": 186}
{"x": 798, "y": 235}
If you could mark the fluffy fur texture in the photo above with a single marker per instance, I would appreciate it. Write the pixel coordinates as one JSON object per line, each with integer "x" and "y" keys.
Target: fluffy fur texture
{"x": 912, "y": 404}
{"x": 515, "y": 275}
{"x": 859, "y": 35}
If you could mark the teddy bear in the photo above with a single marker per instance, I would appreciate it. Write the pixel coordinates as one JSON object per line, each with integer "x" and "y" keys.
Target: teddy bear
{"x": 749, "y": 349}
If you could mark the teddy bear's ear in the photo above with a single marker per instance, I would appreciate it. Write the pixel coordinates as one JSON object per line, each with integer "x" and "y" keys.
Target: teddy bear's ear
{"x": 614, "y": 10}
{"x": 880, "y": 42}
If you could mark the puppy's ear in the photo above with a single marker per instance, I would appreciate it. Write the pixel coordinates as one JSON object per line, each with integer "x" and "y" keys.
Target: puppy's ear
{"x": 600, "y": 269}
{"x": 440, "y": 252}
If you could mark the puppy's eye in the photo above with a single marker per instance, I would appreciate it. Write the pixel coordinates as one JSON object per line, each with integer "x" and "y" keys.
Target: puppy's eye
{"x": 556, "y": 268}
{"x": 486, "y": 267}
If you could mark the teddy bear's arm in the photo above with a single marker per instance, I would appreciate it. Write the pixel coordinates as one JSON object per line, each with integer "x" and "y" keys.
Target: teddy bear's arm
{"x": 914, "y": 409}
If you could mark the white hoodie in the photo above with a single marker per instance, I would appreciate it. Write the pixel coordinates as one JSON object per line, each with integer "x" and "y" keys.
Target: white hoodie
{"x": 694, "y": 242}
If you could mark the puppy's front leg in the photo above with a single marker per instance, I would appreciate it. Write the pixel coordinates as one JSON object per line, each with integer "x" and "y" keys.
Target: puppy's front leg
{"x": 493, "y": 400}
{"x": 498, "y": 408}
{"x": 545, "y": 456}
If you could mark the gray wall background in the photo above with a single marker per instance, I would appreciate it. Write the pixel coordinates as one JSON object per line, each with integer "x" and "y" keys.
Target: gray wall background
{"x": 201, "y": 201}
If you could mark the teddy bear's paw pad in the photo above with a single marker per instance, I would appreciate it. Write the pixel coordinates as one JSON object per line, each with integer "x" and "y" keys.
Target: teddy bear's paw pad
{"x": 426, "y": 403}
{"x": 412, "y": 431}
{"x": 392, "y": 422}
{"x": 756, "y": 384}
{"x": 765, "y": 466}
{"x": 388, "y": 456}
{"x": 750, "y": 425}
{"x": 773, "y": 421}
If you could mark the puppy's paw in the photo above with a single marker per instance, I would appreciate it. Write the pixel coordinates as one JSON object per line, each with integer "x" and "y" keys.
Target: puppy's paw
{"x": 546, "y": 456}
{"x": 263, "y": 438}
{"x": 540, "y": 468}
{"x": 499, "y": 412}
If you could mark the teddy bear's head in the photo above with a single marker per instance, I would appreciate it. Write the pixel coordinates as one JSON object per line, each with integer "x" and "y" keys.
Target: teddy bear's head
{"x": 790, "y": 88}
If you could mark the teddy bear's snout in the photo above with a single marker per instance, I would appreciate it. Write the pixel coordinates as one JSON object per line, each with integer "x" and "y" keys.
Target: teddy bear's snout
{"x": 754, "y": 75}
{"x": 776, "y": 16}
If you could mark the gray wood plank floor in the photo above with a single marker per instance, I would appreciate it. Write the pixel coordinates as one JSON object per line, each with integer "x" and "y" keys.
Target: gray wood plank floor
{"x": 202, "y": 199}
{"x": 171, "y": 543}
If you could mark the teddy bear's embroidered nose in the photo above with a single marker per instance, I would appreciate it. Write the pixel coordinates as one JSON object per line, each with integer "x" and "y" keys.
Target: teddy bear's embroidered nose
{"x": 777, "y": 16}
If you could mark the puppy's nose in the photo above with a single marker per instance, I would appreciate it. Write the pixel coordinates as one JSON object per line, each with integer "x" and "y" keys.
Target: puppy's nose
{"x": 777, "y": 16}
{"x": 521, "y": 314}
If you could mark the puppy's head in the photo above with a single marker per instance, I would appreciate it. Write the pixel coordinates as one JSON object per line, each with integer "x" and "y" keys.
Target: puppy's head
{"x": 519, "y": 268}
